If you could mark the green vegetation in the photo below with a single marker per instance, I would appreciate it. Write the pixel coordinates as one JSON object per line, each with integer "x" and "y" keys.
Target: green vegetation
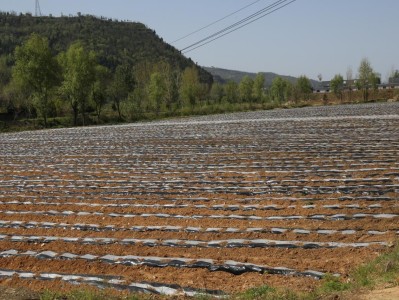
{"x": 337, "y": 85}
{"x": 83, "y": 70}
{"x": 88, "y": 294}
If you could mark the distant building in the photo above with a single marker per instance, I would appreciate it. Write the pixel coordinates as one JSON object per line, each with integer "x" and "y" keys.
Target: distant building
{"x": 322, "y": 87}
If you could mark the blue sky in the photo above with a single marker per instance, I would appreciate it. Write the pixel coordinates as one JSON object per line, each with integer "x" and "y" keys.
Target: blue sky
{"x": 307, "y": 37}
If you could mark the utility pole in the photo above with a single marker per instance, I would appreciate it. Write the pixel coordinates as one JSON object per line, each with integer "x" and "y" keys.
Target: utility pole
{"x": 38, "y": 12}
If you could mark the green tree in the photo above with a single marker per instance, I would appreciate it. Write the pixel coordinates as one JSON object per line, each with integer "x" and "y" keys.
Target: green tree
{"x": 216, "y": 93}
{"x": 258, "y": 87}
{"x": 245, "y": 89}
{"x": 231, "y": 92}
{"x": 393, "y": 76}
{"x": 5, "y": 77}
{"x": 99, "y": 92}
{"x": 171, "y": 80}
{"x": 337, "y": 85}
{"x": 37, "y": 69}
{"x": 121, "y": 86}
{"x": 190, "y": 89}
{"x": 79, "y": 67}
{"x": 279, "y": 90}
{"x": 304, "y": 87}
{"x": 5, "y": 72}
{"x": 366, "y": 77}
{"x": 156, "y": 91}
{"x": 16, "y": 99}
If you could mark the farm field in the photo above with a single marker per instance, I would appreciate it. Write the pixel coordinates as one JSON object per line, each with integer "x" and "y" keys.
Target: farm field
{"x": 215, "y": 204}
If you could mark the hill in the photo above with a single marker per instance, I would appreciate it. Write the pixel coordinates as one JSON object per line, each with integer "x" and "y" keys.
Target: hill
{"x": 114, "y": 41}
{"x": 224, "y": 75}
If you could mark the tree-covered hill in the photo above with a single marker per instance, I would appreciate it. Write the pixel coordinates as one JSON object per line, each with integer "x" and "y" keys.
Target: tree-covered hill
{"x": 115, "y": 42}
{"x": 224, "y": 75}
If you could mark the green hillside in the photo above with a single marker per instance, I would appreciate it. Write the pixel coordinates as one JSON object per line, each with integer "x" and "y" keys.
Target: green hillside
{"x": 224, "y": 75}
{"x": 115, "y": 42}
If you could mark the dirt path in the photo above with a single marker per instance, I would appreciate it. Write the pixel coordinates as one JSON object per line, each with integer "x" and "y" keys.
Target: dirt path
{"x": 384, "y": 294}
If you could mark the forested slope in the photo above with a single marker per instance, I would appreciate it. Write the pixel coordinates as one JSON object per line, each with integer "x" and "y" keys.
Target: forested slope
{"x": 115, "y": 42}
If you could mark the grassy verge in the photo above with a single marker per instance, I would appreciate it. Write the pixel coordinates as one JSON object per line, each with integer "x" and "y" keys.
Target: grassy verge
{"x": 381, "y": 272}
{"x": 90, "y": 294}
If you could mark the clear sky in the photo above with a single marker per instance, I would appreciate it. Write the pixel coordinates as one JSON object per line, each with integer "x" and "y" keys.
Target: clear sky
{"x": 307, "y": 37}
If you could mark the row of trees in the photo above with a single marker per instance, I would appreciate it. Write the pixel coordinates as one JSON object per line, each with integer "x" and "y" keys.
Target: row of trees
{"x": 43, "y": 83}
{"x": 74, "y": 83}
{"x": 367, "y": 79}
{"x": 36, "y": 82}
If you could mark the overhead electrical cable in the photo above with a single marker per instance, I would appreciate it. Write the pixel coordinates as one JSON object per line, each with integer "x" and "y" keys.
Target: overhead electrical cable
{"x": 244, "y": 22}
{"x": 217, "y": 21}
{"x": 254, "y": 15}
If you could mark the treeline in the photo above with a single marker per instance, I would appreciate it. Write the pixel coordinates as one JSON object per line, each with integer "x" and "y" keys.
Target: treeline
{"x": 75, "y": 85}
{"x": 51, "y": 79}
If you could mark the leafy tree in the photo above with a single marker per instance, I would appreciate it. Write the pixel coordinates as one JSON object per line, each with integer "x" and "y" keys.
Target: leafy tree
{"x": 121, "y": 86}
{"x": 279, "y": 89}
{"x": 36, "y": 68}
{"x": 366, "y": 77}
{"x": 79, "y": 67}
{"x": 216, "y": 93}
{"x": 349, "y": 81}
{"x": 394, "y": 74}
{"x": 258, "y": 87}
{"x": 99, "y": 92}
{"x": 231, "y": 91}
{"x": 5, "y": 71}
{"x": 337, "y": 85}
{"x": 190, "y": 89}
{"x": 304, "y": 87}
{"x": 16, "y": 99}
{"x": 156, "y": 91}
{"x": 171, "y": 80}
{"x": 245, "y": 89}
{"x": 5, "y": 77}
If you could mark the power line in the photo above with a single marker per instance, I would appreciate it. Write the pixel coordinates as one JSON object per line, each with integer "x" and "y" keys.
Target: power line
{"x": 265, "y": 9}
{"x": 217, "y": 21}
{"x": 38, "y": 11}
{"x": 263, "y": 12}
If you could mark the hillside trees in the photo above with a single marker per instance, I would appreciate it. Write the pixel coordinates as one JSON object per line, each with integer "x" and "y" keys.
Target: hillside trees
{"x": 37, "y": 69}
{"x": 79, "y": 66}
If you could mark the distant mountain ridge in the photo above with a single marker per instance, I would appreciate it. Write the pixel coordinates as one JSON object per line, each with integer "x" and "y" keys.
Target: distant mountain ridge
{"x": 225, "y": 75}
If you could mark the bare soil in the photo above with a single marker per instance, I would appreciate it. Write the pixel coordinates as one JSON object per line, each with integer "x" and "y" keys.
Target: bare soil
{"x": 308, "y": 172}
